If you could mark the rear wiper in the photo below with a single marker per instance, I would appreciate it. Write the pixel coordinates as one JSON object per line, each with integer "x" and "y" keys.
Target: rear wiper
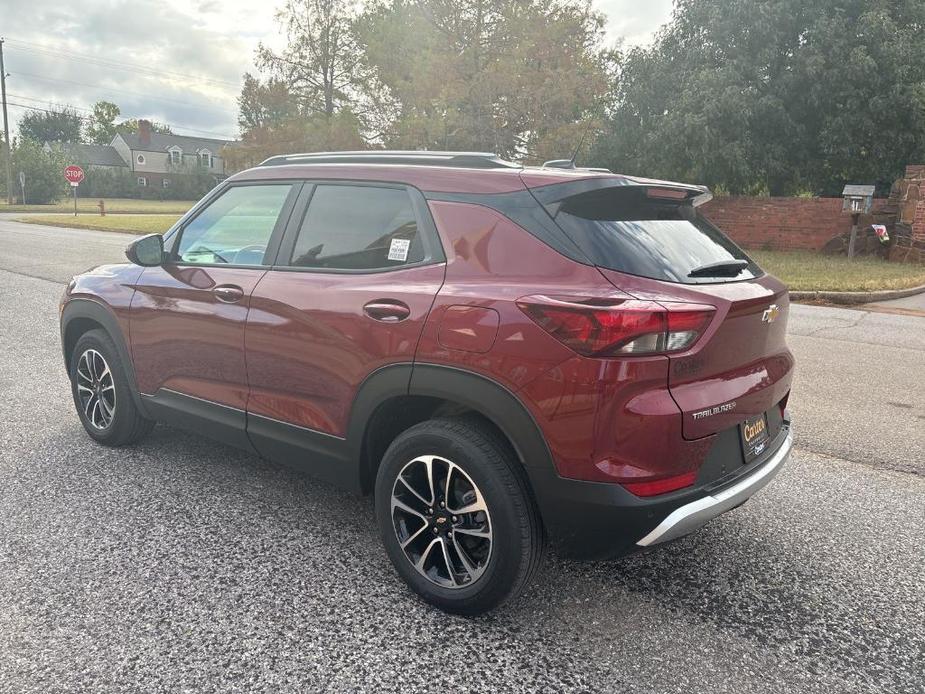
{"x": 724, "y": 268}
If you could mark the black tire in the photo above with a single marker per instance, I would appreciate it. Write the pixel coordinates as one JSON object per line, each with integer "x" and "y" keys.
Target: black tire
{"x": 126, "y": 424}
{"x": 517, "y": 541}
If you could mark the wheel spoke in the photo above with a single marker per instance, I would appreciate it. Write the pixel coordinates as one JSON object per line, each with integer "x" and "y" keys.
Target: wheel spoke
{"x": 419, "y": 565}
{"x": 484, "y": 534}
{"x": 411, "y": 489}
{"x": 470, "y": 567}
{"x": 89, "y": 390}
{"x": 477, "y": 505}
{"x": 451, "y": 572}
{"x": 449, "y": 479}
{"x": 407, "y": 509}
{"x": 413, "y": 536}
{"x": 105, "y": 409}
{"x": 88, "y": 405}
{"x": 429, "y": 467}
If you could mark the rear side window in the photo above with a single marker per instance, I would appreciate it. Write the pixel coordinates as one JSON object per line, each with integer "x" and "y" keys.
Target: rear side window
{"x": 358, "y": 228}
{"x": 627, "y": 231}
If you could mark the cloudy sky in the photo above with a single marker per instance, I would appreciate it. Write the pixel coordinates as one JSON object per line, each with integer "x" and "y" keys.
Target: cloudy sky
{"x": 177, "y": 61}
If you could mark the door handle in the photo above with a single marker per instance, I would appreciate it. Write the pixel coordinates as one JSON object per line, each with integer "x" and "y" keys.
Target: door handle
{"x": 228, "y": 293}
{"x": 387, "y": 311}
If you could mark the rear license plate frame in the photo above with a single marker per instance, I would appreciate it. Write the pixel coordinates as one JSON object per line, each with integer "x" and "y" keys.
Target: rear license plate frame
{"x": 755, "y": 436}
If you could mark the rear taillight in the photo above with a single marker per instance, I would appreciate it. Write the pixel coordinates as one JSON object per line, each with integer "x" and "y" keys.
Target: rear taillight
{"x": 661, "y": 486}
{"x": 597, "y": 328}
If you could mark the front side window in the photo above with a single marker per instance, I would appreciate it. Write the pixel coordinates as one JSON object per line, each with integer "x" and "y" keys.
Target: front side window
{"x": 235, "y": 228}
{"x": 358, "y": 228}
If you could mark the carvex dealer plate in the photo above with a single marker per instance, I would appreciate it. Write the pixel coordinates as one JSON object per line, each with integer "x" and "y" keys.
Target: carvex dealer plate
{"x": 755, "y": 436}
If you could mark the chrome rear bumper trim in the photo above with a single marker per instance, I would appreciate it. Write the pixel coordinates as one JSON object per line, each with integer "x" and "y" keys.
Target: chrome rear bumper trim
{"x": 694, "y": 515}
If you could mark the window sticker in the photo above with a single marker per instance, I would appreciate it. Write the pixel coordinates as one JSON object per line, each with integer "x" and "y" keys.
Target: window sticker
{"x": 398, "y": 249}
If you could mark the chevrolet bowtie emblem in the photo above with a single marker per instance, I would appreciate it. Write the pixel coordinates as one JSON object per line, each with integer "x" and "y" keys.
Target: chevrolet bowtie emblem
{"x": 771, "y": 313}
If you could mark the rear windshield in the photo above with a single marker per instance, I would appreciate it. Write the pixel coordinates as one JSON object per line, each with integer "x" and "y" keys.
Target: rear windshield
{"x": 625, "y": 230}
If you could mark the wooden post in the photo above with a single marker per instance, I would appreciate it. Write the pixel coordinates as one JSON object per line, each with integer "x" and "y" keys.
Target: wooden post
{"x": 854, "y": 233}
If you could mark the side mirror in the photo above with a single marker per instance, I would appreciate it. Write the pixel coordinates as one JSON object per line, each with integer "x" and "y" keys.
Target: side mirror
{"x": 148, "y": 251}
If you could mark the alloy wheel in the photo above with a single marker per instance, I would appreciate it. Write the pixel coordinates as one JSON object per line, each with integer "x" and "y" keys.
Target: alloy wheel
{"x": 96, "y": 391}
{"x": 441, "y": 521}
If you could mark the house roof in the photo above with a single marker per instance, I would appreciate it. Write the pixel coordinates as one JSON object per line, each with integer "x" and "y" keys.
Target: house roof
{"x": 859, "y": 191}
{"x": 161, "y": 142}
{"x": 91, "y": 155}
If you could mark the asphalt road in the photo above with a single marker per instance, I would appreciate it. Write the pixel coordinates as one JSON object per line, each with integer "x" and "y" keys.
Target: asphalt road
{"x": 183, "y": 565}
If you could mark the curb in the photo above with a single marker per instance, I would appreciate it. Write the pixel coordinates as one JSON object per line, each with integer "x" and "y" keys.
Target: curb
{"x": 857, "y": 297}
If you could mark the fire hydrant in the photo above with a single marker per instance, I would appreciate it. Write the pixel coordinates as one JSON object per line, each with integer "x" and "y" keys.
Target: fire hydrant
{"x": 102, "y": 206}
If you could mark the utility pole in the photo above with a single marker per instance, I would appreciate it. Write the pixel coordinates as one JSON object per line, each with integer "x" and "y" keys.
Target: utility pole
{"x": 6, "y": 131}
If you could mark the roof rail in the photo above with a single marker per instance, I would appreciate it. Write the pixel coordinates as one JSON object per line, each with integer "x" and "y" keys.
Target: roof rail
{"x": 570, "y": 164}
{"x": 468, "y": 160}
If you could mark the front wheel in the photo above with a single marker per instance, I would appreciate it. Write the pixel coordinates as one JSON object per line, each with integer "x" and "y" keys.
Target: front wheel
{"x": 102, "y": 394}
{"x": 456, "y": 516}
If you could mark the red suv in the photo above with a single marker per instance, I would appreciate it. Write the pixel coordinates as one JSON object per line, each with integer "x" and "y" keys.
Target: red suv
{"x": 501, "y": 355}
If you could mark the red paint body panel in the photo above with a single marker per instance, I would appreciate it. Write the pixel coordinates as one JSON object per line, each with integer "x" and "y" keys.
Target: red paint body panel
{"x": 184, "y": 339}
{"x": 310, "y": 345}
{"x": 739, "y": 359}
{"x": 603, "y": 419}
{"x": 468, "y": 328}
{"x": 111, "y": 286}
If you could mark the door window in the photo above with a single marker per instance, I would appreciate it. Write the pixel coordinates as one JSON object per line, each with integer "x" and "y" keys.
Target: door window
{"x": 358, "y": 228}
{"x": 235, "y": 228}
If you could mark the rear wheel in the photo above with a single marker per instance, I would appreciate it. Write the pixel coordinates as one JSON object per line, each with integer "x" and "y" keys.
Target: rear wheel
{"x": 102, "y": 394}
{"x": 456, "y": 517}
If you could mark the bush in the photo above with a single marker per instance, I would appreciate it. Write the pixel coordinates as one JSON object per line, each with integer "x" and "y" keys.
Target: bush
{"x": 108, "y": 183}
{"x": 44, "y": 172}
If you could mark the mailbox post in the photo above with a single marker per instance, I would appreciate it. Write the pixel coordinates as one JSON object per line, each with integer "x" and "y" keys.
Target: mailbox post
{"x": 858, "y": 201}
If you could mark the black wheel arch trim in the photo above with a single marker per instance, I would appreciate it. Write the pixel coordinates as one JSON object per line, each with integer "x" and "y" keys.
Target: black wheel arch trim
{"x": 97, "y": 312}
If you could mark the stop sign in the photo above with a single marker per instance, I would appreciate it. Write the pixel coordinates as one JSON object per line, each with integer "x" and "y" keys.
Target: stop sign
{"x": 74, "y": 174}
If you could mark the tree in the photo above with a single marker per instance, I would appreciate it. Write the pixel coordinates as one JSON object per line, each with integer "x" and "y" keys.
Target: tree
{"x": 265, "y": 104}
{"x": 101, "y": 127}
{"x": 44, "y": 172}
{"x": 321, "y": 66}
{"x": 518, "y": 77}
{"x": 774, "y": 96}
{"x": 51, "y": 125}
{"x": 340, "y": 132}
{"x": 131, "y": 126}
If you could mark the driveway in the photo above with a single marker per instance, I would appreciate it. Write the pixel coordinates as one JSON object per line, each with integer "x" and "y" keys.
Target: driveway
{"x": 184, "y": 565}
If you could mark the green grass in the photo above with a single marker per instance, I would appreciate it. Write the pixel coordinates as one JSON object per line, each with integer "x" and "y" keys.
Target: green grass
{"x": 113, "y": 205}
{"x": 129, "y": 223}
{"x": 810, "y": 271}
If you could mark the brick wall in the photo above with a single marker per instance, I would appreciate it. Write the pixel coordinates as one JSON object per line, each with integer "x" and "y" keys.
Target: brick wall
{"x": 781, "y": 223}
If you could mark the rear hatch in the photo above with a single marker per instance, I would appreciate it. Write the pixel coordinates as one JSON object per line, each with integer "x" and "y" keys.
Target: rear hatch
{"x": 649, "y": 240}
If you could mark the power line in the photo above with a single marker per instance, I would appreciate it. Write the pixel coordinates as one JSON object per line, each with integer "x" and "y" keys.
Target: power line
{"x": 28, "y": 47}
{"x": 87, "y": 118}
{"x": 106, "y": 89}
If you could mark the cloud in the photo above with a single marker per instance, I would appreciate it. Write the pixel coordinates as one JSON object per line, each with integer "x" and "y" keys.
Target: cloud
{"x": 632, "y": 21}
{"x": 176, "y": 61}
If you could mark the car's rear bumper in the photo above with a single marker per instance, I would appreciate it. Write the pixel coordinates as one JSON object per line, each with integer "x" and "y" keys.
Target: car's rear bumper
{"x": 599, "y": 520}
{"x": 696, "y": 514}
